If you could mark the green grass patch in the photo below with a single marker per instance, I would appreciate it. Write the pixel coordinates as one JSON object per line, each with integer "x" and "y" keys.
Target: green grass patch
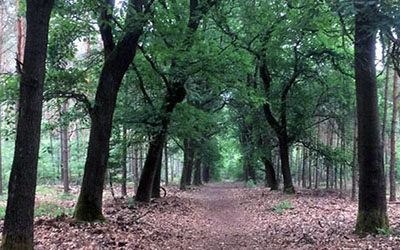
{"x": 51, "y": 209}
{"x": 282, "y": 206}
{"x": 46, "y": 190}
{"x": 66, "y": 196}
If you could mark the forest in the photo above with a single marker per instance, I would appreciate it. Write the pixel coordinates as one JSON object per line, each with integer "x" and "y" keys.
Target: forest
{"x": 199, "y": 124}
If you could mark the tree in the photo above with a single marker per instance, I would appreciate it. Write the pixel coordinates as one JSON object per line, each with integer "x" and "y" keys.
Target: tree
{"x": 18, "y": 222}
{"x": 395, "y": 110}
{"x": 118, "y": 58}
{"x": 64, "y": 138}
{"x": 372, "y": 211}
{"x": 175, "y": 93}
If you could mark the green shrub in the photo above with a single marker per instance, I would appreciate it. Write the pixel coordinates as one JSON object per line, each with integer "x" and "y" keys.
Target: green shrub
{"x": 387, "y": 231}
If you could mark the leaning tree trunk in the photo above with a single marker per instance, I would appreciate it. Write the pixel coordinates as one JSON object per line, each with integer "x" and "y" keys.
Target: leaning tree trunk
{"x": 372, "y": 210}
{"x": 175, "y": 94}
{"x": 18, "y": 222}
{"x": 154, "y": 155}
{"x": 118, "y": 59}
{"x": 155, "y": 191}
{"x": 392, "y": 172}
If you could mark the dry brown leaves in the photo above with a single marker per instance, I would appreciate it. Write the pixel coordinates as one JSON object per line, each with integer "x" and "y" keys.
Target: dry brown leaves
{"x": 219, "y": 216}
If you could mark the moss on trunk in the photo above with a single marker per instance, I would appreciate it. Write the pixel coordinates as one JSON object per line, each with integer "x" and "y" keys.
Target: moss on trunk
{"x": 10, "y": 242}
{"x": 87, "y": 210}
{"x": 371, "y": 222}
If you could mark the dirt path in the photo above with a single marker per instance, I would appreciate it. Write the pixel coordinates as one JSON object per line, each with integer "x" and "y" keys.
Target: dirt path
{"x": 228, "y": 224}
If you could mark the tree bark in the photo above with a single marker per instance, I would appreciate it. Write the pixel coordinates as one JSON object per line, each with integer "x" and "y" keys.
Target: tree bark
{"x": 155, "y": 192}
{"x": 186, "y": 159}
{"x": 151, "y": 166}
{"x": 18, "y": 222}
{"x": 124, "y": 156}
{"x": 372, "y": 210}
{"x": 135, "y": 168}
{"x": 197, "y": 171}
{"x": 270, "y": 174}
{"x": 384, "y": 122}
{"x": 118, "y": 58}
{"x": 395, "y": 110}
{"x": 206, "y": 173}
{"x": 354, "y": 167}
{"x": 166, "y": 162}
{"x": 284, "y": 155}
{"x": 64, "y": 146}
{"x": 190, "y": 162}
{"x": 304, "y": 168}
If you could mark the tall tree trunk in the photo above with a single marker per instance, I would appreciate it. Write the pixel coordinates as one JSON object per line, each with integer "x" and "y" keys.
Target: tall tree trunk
{"x": 118, "y": 58}
{"x": 64, "y": 146}
{"x": 298, "y": 164}
{"x": 304, "y": 167}
{"x": 166, "y": 162}
{"x": 206, "y": 173}
{"x": 135, "y": 168}
{"x": 392, "y": 174}
{"x": 186, "y": 159}
{"x": 372, "y": 209}
{"x": 316, "y": 184}
{"x": 329, "y": 162}
{"x": 285, "y": 166}
{"x": 154, "y": 156}
{"x": 18, "y": 222}
{"x": 123, "y": 160}
{"x": 190, "y": 163}
{"x": 172, "y": 164}
{"x": 197, "y": 171}
{"x": 384, "y": 122}
{"x": 354, "y": 167}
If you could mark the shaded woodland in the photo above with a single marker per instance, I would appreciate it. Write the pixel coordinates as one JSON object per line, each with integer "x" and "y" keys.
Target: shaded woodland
{"x": 125, "y": 111}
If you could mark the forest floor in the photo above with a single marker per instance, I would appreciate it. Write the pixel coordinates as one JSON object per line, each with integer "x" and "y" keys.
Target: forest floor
{"x": 215, "y": 216}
